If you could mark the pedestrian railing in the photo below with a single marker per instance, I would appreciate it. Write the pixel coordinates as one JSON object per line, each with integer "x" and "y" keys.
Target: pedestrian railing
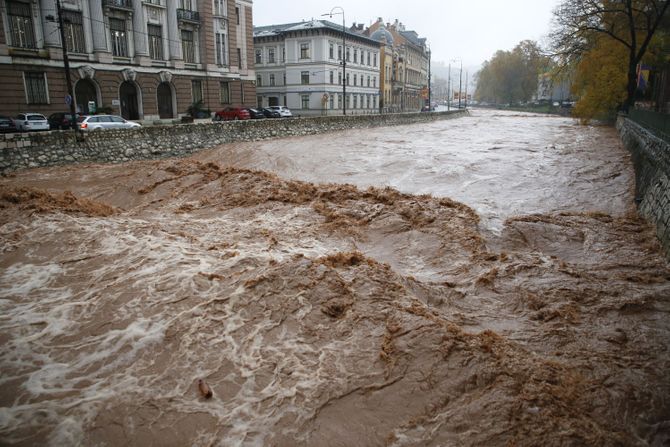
{"x": 656, "y": 122}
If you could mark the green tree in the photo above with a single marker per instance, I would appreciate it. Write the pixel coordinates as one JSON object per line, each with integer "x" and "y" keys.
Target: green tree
{"x": 511, "y": 77}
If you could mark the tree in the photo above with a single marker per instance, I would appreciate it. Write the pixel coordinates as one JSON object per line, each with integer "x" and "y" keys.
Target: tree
{"x": 581, "y": 25}
{"x": 511, "y": 76}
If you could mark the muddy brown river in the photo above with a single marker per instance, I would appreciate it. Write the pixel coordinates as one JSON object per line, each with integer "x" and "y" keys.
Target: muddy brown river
{"x": 478, "y": 281}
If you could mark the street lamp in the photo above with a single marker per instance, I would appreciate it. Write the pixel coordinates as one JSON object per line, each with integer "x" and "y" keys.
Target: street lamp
{"x": 344, "y": 55}
{"x": 460, "y": 80}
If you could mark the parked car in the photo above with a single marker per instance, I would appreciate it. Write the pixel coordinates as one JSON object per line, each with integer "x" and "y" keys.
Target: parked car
{"x": 7, "y": 125}
{"x": 269, "y": 113}
{"x": 101, "y": 122}
{"x": 232, "y": 113}
{"x": 255, "y": 114}
{"x": 27, "y": 122}
{"x": 62, "y": 120}
{"x": 284, "y": 111}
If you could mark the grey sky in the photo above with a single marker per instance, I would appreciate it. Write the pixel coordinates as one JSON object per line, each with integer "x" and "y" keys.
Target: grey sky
{"x": 470, "y": 29}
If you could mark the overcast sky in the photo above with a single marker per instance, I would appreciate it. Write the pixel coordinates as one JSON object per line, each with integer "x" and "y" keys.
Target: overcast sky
{"x": 469, "y": 29}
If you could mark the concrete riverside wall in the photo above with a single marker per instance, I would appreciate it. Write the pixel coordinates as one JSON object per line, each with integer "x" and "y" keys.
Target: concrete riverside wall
{"x": 32, "y": 150}
{"x": 651, "y": 158}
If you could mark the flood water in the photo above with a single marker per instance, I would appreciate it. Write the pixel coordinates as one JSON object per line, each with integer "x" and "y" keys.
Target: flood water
{"x": 475, "y": 281}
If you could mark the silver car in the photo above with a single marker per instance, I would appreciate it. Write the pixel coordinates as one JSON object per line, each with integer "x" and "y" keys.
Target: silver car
{"x": 101, "y": 122}
{"x": 27, "y": 122}
{"x": 284, "y": 111}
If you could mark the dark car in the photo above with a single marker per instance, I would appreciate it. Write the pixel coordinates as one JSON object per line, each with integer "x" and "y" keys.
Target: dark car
{"x": 61, "y": 120}
{"x": 269, "y": 113}
{"x": 255, "y": 114}
{"x": 232, "y": 113}
{"x": 7, "y": 124}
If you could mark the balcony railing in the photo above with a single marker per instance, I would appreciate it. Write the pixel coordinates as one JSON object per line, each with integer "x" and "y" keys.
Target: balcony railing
{"x": 188, "y": 15}
{"x": 119, "y": 4}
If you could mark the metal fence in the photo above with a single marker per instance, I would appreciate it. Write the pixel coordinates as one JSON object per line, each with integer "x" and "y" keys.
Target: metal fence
{"x": 656, "y": 122}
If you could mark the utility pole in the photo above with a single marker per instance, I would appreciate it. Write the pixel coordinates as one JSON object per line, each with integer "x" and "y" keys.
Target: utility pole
{"x": 66, "y": 64}
{"x": 460, "y": 85}
{"x": 466, "y": 89}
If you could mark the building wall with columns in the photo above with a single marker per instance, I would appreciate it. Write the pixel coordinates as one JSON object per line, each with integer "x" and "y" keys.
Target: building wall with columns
{"x": 143, "y": 59}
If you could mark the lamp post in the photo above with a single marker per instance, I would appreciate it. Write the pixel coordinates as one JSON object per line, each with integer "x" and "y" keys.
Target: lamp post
{"x": 344, "y": 55}
{"x": 449, "y": 88}
{"x": 430, "y": 99}
{"x": 460, "y": 80}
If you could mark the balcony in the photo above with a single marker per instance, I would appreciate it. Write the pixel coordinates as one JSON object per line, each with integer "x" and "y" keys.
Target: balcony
{"x": 125, "y": 5}
{"x": 187, "y": 15}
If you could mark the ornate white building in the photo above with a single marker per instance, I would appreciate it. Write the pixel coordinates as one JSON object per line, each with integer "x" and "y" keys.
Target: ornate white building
{"x": 299, "y": 65}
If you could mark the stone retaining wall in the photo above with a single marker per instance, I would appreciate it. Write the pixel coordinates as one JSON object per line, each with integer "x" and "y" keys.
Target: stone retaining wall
{"x": 651, "y": 158}
{"x": 21, "y": 151}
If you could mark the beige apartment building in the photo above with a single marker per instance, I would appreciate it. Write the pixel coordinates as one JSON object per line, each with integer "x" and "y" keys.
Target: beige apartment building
{"x": 142, "y": 59}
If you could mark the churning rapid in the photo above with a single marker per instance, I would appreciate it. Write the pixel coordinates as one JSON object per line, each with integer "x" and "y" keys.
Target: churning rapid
{"x": 480, "y": 281}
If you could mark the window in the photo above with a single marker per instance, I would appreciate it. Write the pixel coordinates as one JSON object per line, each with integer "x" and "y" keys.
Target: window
{"x": 272, "y": 79}
{"x": 259, "y": 101}
{"x": 221, "y": 49}
{"x": 304, "y": 77}
{"x": 374, "y": 102}
{"x": 117, "y": 29}
{"x": 259, "y": 81}
{"x": 348, "y": 54}
{"x": 339, "y": 100}
{"x": 242, "y": 99}
{"x": 220, "y": 8}
{"x": 305, "y": 101}
{"x": 283, "y": 54}
{"x": 355, "y": 79}
{"x": 355, "y": 56}
{"x": 224, "y": 92}
{"x": 339, "y": 78}
{"x": 332, "y": 77}
{"x": 374, "y": 81}
{"x": 368, "y": 58}
{"x": 347, "y": 78}
{"x": 187, "y": 4}
{"x": 74, "y": 32}
{"x": 368, "y": 81}
{"x": 339, "y": 52}
{"x": 284, "y": 78}
{"x": 375, "y": 60}
{"x": 196, "y": 91}
{"x": 355, "y": 101}
{"x": 304, "y": 51}
{"x": 332, "y": 102}
{"x": 237, "y": 14}
{"x": 271, "y": 56}
{"x": 155, "y": 42}
{"x": 367, "y": 101}
{"x": 259, "y": 56}
{"x": 21, "y": 28}
{"x": 188, "y": 46}
{"x": 331, "y": 50}
{"x": 36, "y": 87}
{"x": 239, "y": 58}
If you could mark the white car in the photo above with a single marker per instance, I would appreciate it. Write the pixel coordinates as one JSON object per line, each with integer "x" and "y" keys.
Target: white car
{"x": 26, "y": 122}
{"x": 284, "y": 111}
{"x": 101, "y": 122}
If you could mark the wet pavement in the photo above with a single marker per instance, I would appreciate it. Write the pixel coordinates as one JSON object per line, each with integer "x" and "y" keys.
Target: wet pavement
{"x": 480, "y": 281}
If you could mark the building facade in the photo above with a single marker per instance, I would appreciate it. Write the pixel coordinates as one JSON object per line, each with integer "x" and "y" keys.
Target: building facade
{"x": 409, "y": 65}
{"x": 142, "y": 59}
{"x": 299, "y": 65}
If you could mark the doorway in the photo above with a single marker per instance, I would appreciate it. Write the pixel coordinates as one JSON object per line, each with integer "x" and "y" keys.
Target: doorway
{"x": 128, "y": 96}
{"x": 165, "y": 100}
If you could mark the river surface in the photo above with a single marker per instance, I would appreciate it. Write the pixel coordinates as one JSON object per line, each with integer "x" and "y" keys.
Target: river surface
{"x": 476, "y": 281}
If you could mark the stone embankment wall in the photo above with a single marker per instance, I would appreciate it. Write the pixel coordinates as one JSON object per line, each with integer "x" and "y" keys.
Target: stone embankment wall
{"x": 651, "y": 158}
{"x": 21, "y": 151}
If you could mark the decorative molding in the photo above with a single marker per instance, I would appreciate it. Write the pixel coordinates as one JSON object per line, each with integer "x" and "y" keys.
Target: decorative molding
{"x": 86, "y": 72}
{"x": 165, "y": 76}
{"x": 129, "y": 74}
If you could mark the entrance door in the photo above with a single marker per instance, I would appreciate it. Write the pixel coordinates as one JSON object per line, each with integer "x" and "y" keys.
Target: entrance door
{"x": 273, "y": 101}
{"x": 164, "y": 93}
{"x": 84, "y": 93}
{"x": 128, "y": 96}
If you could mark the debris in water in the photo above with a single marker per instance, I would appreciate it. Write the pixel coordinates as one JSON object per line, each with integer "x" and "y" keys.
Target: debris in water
{"x": 205, "y": 390}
